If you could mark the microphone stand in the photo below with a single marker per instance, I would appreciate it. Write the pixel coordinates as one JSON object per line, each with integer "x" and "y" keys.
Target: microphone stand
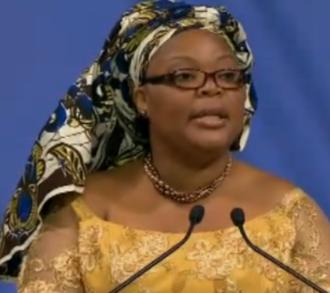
{"x": 238, "y": 219}
{"x": 195, "y": 217}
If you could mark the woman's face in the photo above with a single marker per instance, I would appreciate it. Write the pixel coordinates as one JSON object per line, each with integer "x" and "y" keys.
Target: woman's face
{"x": 207, "y": 118}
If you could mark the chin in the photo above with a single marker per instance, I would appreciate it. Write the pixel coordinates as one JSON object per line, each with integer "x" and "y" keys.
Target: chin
{"x": 217, "y": 139}
{"x": 210, "y": 144}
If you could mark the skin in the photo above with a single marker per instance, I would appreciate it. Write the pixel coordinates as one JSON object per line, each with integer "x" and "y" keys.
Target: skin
{"x": 180, "y": 142}
{"x": 186, "y": 154}
{"x": 180, "y": 104}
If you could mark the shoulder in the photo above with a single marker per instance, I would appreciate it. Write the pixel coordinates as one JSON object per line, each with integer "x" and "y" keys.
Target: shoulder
{"x": 260, "y": 184}
{"x": 272, "y": 188}
{"x": 105, "y": 188}
{"x": 62, "y": 221}
{"x": 255, "y": 175}
{"x": 58, "y": 233}
{"x": 52, "y": 259}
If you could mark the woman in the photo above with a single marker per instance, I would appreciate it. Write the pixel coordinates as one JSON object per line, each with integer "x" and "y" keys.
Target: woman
{"x": 146, "y": 133}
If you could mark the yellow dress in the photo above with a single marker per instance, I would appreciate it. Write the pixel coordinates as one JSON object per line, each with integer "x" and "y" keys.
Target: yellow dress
{"x": 219, "y": 261}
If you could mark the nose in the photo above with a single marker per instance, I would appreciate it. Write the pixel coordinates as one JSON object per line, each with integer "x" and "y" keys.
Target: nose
{"x": 210, "y": 88}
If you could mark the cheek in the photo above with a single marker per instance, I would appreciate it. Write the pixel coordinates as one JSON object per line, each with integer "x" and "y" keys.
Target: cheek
{"x": 170, "y": 105}
{"x": 236, "y": 104}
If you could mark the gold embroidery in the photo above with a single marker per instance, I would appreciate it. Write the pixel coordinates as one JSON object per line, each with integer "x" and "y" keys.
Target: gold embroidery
{"x": 307, "y": 255}
{"x": 216, "y": 262}
{"x": 89, "y": 248}
{"x": 128, "y": 258}
{"x": 54, "y": 275}
{"x": 39, "y": 287}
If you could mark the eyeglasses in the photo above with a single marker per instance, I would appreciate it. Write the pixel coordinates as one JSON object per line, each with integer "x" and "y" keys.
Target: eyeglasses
{"x": 195, "y": 78}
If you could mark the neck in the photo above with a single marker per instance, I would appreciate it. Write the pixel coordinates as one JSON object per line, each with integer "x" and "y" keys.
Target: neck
{"x": 185, "y": 171}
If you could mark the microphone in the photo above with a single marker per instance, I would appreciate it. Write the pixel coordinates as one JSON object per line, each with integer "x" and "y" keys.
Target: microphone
{"x": 195, "y": 217}
{"x": 238, "y": 218}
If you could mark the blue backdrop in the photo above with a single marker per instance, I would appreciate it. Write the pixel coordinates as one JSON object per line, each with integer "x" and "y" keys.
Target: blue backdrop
{"x": 46, "y": 44}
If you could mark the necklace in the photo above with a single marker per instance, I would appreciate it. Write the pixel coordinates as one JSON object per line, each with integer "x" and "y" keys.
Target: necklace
{"x": 182, "y": 196}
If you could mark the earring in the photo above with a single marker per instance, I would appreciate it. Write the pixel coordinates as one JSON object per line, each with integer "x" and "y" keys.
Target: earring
{"x": 144, "y": 114}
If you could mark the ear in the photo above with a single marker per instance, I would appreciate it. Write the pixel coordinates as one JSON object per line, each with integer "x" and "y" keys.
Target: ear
{"x": 140, "y": 100}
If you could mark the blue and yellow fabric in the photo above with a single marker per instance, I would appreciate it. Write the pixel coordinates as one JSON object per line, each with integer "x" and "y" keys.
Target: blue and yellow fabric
{"x": 94, "y": 126}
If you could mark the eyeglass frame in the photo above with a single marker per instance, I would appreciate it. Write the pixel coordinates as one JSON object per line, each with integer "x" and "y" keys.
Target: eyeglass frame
{"x": 169, "y": 78}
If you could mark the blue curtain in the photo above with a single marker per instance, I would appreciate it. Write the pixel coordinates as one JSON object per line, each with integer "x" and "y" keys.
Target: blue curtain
{"x": 46, "y": 44}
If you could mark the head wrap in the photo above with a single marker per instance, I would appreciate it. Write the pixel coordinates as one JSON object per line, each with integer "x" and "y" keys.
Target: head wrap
{"x": 94, "y": 126}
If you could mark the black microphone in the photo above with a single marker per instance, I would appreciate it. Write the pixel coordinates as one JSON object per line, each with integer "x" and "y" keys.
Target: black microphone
{"x": 195, "y": 217}
{"x": 238, "y": 218}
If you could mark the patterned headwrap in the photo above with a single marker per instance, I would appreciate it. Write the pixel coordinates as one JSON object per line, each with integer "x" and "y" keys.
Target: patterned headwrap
{"x": 94, "y": 125}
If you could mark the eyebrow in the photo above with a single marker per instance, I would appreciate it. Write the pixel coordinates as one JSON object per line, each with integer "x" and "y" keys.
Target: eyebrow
{"x": 188, "y": 58}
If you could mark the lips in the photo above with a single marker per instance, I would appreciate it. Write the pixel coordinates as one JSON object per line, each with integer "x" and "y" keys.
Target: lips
{"x": 210, "y": 117}
{"x": 219, "y": 112}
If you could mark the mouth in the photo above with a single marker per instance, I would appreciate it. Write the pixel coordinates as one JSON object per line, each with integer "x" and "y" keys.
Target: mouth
{"x": 210, "y": 121}
{"x": 210, "y": 118}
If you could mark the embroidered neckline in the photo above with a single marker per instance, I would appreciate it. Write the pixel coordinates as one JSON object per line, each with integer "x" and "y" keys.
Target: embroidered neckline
{"x": 88, "y": 215}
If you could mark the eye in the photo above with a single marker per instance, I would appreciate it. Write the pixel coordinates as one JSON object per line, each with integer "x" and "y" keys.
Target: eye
{"x": 185, "y": 75}
{"x": 230, "y": 76}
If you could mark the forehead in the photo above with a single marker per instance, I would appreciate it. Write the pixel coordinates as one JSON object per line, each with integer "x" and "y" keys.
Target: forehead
{"x": 195, "y": 45}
